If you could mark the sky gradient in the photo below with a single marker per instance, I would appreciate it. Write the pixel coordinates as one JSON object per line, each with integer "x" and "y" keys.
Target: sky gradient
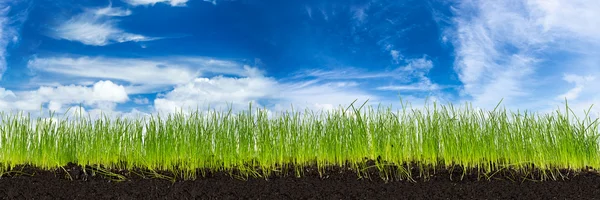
{"x": 129, "y": 57}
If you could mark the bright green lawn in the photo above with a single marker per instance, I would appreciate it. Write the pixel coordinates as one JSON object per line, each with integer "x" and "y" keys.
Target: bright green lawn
{"x": 223, "y": 140}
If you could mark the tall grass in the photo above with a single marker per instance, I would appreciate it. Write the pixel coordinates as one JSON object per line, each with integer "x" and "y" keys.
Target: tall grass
{"x": 253, "y": 143}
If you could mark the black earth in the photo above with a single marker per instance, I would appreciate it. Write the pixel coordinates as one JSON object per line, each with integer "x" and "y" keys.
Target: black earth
{"x": 71, "y": 182}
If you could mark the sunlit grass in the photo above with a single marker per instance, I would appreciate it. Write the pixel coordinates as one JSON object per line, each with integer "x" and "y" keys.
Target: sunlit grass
{"x": 249, "y": 141}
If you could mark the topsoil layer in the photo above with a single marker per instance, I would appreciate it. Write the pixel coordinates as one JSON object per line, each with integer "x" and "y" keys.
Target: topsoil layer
{"x": 71, "y": 182}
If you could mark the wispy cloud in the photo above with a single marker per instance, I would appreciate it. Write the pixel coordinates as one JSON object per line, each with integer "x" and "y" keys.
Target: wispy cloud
{"x": 340, "y": 74}
{"x": 396, "y": 56}
{"x": 141, "y": 100}
{"x": 562, "y": 17}
{"x": 580, "y": 83}
{"x": 6, "y": 35}
{"x": 359, "y": 12}
{"x": 415, "y": 69}
{"x": 308, "y": 11}
{"x": 415, "y": 73}
{"x": 9, "y": 25}
{"x": 153, "y": 2}
{"x": 411, "y": 87}
{"x": 130, "y": 70}
{"x": 518, "y": 50}
{"x": 110, "y": 11}
{"x": 214, "y": 2}
{"x": 144, "y": 75}
{"x": 97, "y": 27}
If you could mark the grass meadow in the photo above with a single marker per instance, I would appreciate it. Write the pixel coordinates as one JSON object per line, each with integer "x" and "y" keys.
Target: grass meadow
{"x": 258, "y": 145}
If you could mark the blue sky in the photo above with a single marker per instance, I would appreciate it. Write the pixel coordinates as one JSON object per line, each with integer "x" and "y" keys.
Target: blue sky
{"x": 130, "y": 57}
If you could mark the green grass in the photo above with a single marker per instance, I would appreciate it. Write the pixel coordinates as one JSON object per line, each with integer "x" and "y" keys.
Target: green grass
{"x": 250, "y": 141}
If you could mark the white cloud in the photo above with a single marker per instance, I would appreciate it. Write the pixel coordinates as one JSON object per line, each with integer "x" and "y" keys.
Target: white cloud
{"x": 153, "y": 2}
{"x": 359, "y": 13}
{"x": 9, "y": 33}
{"x": 518, "y": 50}
{"x": 396, "y": 56}
{"x": 217, "y": 91}
{"x": 214, "y": 2}
{"x": 580, "y": 82}
{"x": 96, "y": 27}
{"x": 324, "y": 13}
{"x": 416, "y": 68}
{"x": 6, "y": 33}
{"x": 226, "y": 92}
{"x": 144, "y": 75}
{"x": 412, "y": 87}
{"x": 131, "y": 70}
{"x": 348, "y": 73}
{"x": 141, "y": 100}
{"x": 568, "y": 16}
{"x": 102, "y": 91}
{"x": 54, "y": 106}
{"x": 189, "y": 83}
{"x": 110, "y": 11}
{"x": 308, "y": 11}
{"x": 103, "y": 94}
{"x": 6, "y": 94}
{"x": 321, "y": 97}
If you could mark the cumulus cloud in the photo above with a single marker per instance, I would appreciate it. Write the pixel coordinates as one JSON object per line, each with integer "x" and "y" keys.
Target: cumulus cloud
{"x": 97, "y": 27}
{"x": 153, "y": 2}
{"x": 222, "y": 92}
{"x": 217, "y": 91}
{"x": 102, "y": 94}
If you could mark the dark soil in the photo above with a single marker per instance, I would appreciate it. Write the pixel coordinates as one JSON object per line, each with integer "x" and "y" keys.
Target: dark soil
{"x": 71, "y": 182}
